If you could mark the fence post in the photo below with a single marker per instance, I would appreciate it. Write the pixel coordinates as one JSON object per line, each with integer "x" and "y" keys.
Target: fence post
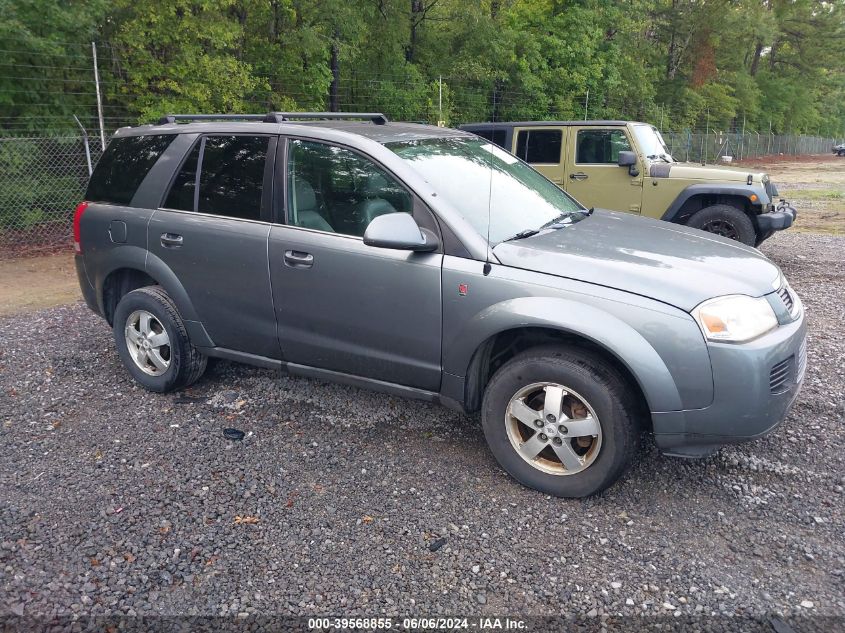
{"x": 85, "y": 141}
{"x": 99, "y": 98}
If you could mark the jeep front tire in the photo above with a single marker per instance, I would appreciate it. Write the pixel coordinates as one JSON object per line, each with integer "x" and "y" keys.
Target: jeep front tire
{"x": 727, "y": 221}
{"x": 152, "y": 342}
{"x": 560, "y": 420}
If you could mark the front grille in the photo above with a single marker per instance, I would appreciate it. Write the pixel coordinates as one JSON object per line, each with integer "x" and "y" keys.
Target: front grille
{"x": 779, "y": 376}
{"x": 786, "y": 297}
{"x": 802, "y": 361}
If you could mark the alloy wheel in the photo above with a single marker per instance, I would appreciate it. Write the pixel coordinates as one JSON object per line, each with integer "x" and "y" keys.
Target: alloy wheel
{"x": 147, "y": 342}
{"x": 721, "y": 227}
{"x": 553, "y": 428}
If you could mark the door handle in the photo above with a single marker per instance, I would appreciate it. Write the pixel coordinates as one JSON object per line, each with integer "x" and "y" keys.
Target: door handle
{"x": 171, "y": 240}
{"x": 578, "y": 175}
{"x": 298, "y": 259}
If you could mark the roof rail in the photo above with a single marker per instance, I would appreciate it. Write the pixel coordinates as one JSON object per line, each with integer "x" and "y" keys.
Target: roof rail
{"x": 277, "y": 117}
{"x": 173, "y": 118}
{"x": 274, "y": 117}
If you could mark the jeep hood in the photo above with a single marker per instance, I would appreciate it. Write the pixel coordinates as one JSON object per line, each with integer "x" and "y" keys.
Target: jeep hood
{"x": 667, "y": 262}
{"x": 693, "y": 171}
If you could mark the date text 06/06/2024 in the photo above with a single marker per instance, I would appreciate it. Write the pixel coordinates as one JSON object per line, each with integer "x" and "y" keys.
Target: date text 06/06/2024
{"x": 417, "y": 624}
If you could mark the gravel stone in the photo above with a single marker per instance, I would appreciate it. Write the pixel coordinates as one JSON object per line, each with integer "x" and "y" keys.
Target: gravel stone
{"x": 115, "y": 500}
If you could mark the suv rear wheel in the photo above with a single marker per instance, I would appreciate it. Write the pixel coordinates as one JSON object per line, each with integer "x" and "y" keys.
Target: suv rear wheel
{"x": 152, "y": 341}
{"x": 725, "y": 220}
{"x": 561, "y": 421}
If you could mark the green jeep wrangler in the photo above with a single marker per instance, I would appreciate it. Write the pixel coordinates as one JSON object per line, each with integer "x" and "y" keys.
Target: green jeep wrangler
{"x": 626, "y": 166}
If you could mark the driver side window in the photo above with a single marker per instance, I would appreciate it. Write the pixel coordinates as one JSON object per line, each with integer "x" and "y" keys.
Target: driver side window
{"x": 600, "y": 147}
{"x": 333, "y": 189}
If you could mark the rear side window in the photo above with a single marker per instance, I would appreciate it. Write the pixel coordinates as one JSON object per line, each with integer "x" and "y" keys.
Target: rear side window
{"x": 499, "y": 137}
{"x": 539, "y": 146}
{"x": 182, "y": 192}
{"x": 231, "y": 177}
{"x": 600, "y": 147}
{"x": 123, "y": 166}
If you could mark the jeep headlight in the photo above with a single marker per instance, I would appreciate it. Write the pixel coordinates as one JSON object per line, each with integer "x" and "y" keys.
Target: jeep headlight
{"x": 735, "y": 318}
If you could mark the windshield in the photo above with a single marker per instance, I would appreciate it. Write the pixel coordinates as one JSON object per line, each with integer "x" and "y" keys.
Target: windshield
{"x": 483, "y": 182}
{"x": 651, "y": 143}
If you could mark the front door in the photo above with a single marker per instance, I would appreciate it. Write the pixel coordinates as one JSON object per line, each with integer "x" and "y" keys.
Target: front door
{"x": 340, "y": 304}
{"x": 212, "y": 233}
{"x": 542, "y": 148}
{"x": 592, "y": 175}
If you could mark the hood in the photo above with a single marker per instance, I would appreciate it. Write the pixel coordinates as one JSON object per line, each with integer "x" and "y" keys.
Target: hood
{"x": 694, "y": 171}
{"x": 667, "y": 262}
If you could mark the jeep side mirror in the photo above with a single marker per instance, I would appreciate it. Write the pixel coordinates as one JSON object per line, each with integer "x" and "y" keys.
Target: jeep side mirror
{"x": 629, "y": 160}
{"x": 399, "y": 231}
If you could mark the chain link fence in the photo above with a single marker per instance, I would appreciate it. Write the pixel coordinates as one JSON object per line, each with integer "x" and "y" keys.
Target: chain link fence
{"x": 716, "y": 146}
{"x": 43, "y": 179}
{"x": 41, "y": 182}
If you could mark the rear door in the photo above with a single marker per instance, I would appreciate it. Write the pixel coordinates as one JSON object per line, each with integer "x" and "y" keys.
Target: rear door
{"x": 342, "y": 305}
{"x": 542, "y": 148}
{"x": 212, "y": 233}
{"x": 593, "y": 176}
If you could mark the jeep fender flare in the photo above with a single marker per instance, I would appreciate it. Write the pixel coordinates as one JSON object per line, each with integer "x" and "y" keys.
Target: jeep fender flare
{"x": 739, "y": 191}
{"x": 568, "y": 317}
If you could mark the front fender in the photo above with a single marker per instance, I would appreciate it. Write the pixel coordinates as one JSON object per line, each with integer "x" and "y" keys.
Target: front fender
{"x": 567, "y": 316}
{"x": 718, "y": 190}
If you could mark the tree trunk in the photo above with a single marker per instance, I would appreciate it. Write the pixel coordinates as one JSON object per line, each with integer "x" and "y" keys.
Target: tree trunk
{"x": 416, "y": 10}
{"x": 670, "y": 57}
{"x": 755, "y": 61}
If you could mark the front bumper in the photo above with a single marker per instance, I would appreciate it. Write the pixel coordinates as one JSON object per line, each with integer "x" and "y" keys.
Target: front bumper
{"x": 777, "y": 218}
{"x": 745, "y": 404}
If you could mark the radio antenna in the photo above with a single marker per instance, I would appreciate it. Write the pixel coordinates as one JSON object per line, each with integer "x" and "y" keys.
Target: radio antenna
{"x": 487, "y": 265}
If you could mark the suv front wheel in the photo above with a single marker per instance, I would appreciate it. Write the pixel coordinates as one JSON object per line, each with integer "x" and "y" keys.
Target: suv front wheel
{"x": 152, "y": 341}
{"x": 727, "y": 221}
{"x": 561, "y": 421}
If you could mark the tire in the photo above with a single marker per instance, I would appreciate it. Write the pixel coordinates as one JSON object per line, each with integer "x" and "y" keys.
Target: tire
{"x": 725, "y": 220}
{"x": 168, "y": 360}
{"x": 587, "y": 380}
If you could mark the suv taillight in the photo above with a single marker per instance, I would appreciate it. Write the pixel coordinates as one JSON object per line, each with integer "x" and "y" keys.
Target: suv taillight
{"x": 77, "y": 219}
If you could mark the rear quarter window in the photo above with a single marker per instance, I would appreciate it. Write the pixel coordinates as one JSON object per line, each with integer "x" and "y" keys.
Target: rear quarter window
{"x": 498, "y": 136}
{"x": 123, "y": 166}
{"x": 539, "y": 146}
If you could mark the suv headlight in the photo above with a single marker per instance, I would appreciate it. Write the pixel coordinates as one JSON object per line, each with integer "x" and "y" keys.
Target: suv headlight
{"x": 735, "y": 318}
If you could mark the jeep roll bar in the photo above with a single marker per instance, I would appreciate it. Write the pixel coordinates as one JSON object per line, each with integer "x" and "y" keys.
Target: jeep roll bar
{"x": 275, "y": 117}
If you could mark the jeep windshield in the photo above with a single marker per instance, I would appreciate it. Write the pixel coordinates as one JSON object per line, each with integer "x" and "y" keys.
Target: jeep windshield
{"x": 485, "y": 183}
{"x": 652, "y": 144}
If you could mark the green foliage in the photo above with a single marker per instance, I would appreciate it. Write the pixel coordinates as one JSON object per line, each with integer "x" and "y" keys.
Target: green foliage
{"x": 722, "y": 64}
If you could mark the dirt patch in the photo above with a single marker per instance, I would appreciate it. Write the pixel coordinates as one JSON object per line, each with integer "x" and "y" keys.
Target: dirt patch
{"x": 814, "y": 185}
{"x": 33, "y": 283}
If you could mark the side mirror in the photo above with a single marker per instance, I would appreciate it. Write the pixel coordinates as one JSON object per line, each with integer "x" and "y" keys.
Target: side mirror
{"x": 629, "y": 160}
{"x": 399, "y": 231}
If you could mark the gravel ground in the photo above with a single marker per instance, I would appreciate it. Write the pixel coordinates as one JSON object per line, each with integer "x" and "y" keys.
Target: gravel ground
{"x": 343, "y": 501}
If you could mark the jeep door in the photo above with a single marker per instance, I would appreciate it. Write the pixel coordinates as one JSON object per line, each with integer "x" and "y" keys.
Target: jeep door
{"x": 542, "y": 148}
{"x": 212, "y": 230}
{"x": 342, "y": 305}
{"x": 593, "y": 176}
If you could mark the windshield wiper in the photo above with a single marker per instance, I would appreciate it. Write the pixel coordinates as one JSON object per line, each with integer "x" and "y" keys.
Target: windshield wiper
{"x": 664, "y": 157}
{"x": 563, "y": 216}
{"x": 522, "y": 235}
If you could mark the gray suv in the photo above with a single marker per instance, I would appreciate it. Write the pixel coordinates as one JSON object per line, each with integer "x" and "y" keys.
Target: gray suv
{"x": 429, "y": 263}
